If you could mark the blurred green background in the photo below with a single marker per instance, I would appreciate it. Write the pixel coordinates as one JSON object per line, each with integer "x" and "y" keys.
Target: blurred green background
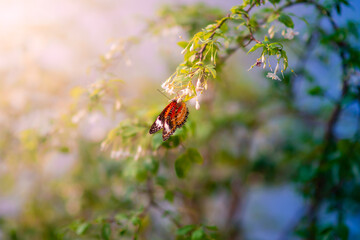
{"x": 79, "y": 93}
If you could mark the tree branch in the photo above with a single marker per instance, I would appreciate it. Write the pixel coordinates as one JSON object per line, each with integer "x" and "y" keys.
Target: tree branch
{"x": 218, "y": 26}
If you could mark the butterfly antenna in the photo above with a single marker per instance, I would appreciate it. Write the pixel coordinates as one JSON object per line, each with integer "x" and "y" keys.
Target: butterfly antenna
{"x": 163, "y": 93}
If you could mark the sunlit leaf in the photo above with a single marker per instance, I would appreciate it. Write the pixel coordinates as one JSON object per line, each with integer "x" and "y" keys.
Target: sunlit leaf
{"x": 198, "y": 234}
{"x": 185, "y": 230}
{"x": 81, "y": 229}
{"x": 256, "y": 46}
{"x": 106, "y": 231}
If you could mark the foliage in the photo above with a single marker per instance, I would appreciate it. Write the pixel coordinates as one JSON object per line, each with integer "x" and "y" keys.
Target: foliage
{"x": 131, "y": 185}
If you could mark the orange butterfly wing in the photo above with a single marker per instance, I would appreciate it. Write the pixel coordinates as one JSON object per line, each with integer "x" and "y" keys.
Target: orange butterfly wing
{"x": 172, "y": 117}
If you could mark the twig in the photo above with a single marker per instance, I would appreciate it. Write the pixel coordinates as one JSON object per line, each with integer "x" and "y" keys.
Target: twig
{"x": 201, "y": 51}
{"x": 249, "y": 26}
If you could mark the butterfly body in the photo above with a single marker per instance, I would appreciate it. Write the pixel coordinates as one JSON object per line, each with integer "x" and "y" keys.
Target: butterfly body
{"x": 172, "y": 117}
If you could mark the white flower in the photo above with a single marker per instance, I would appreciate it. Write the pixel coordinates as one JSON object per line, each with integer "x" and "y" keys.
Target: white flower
{"x": 118, "y": 154}
{"x": 170, "y": 91}
{"x": 138, "y": 152}
{"x": 108, "y": 56}
{"x": 103, "y": 146}
{"x": 271, "y": 31}
{"x": 164, "y": 85}
{"x": 117, "y": 105}
{"x": 198, "y": 85}
{"x": 78, "y": 116}
{"x": 273, "y": 76}
{"x": 113, "y": 47}
{"x": 276, "y": 68}
{"x": 191, "y": 47}
{"x": 112, "y": 154}
{"x": 188, "y": 91}
{"x": 289, "y": 34}
{"x": 197, "y": 105}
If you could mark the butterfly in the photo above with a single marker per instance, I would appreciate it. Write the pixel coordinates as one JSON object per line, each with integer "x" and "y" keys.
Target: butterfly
{"x": 172, "y": 117}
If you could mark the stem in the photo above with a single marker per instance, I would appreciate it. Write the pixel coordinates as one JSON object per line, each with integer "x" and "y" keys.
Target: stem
{"x": 251, "y": 35}
{"x": 252, "y": 38}
{"x": 201, "y": 51}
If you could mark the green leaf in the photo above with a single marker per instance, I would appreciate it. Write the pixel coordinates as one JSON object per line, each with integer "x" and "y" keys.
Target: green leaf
{"x": 343, "y": 231}
{"x": 272, "y": 18}
{"x": 81, "y": 229}
{"x": 64, "y": 149}
{"x": 183, "y": 44}
{"x": 121, "y": 217}
{"x": 356, "y": 172}
{"x": 212, "y": 228}
{"x": 236, "y": 16}
{"x": 316, "y": 91}
{"x": 285, "y": 59}
{"x": 135, "y": 220}
{"x": 286, "y": 20}
{"x": 184, "y": 161}
{"x": 237, "y": 9}
{"x": 152, "y": 165}
{"x": 211, "y": 70}
{"x": 274, "y": 1}
{"x": 169, "y": 195}
{"x": 182, "y": 166}
{"x": 156, "y": 141}
{"x": 106, "y": 231}
{"x": 256, "y": 46}
{"x": 198, "y": 234}
{"x": 194, "y": 155}
{"x": 188, "y": 55}
{"x": 141, "y": 174}
{"x": 122, "y": 232}
{"x": 185, "y": 230}
{"x": 275, "y": 45}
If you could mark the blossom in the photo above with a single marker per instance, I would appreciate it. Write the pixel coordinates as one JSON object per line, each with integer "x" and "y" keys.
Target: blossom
{"x": 276, "y": 68}
{"x": 273, "y": 76}
{"x": 117, "y": 105}
{"x": 258, "y": 63}
{"x": 199, "y": 85}
{"x": 289, "y": 34}
{"x": 138, "y": 152}
{"x": 271, "y": 32}
{"x": 103, "y": 146}
{"x": 165, "y": 85}
{"x": 197, "y": 104}
{"x": 186, "y": 91}
{"x": 78, "y": 116}
{"x": 170, "y": 90}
